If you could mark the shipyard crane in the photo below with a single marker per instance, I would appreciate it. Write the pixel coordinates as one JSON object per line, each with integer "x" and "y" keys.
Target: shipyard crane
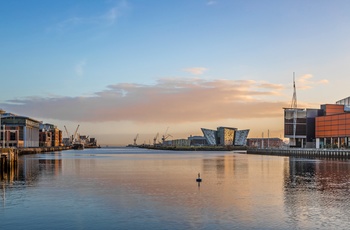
{"x": 166, "y": 135}
{"x": 66, "y": 131}
{"x": 75, "y": 134}
{"x": 155, "y": 139}
{"x": 69, "y": 137}
{"x": 135, "y": 139}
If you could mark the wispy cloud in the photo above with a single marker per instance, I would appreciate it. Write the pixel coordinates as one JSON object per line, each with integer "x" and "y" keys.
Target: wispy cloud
{"x": 196, "y": 70}
{"x": 79, "y": 68}
{"x": 108, "y": 18}
{"x": 306, "y": 82}
{"x": 170, "y": 100}
{"x": 211, "y": 2}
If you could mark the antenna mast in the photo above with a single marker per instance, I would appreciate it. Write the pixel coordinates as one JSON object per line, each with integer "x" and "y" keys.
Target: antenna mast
{"x": 294, "y": 100}
{"x": 294, "y": 107}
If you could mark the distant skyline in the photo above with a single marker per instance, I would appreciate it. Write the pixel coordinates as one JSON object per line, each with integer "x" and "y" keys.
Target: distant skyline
{"x": 118, "y": 68}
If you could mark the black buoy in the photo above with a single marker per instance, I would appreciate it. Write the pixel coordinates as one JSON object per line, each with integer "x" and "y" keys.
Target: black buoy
{"x": 199, "y": 179}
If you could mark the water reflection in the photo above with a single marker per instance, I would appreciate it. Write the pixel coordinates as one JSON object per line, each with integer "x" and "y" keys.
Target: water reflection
{"x": 104, "y": 188}
{"x": 317, "y": 193}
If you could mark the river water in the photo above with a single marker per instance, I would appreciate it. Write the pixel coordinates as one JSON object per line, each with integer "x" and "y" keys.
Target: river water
{"x": 131, "y": 188}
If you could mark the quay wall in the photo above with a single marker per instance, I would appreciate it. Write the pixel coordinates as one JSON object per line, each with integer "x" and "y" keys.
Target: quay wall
{"x": 23, "y": 151}
{"x": 322, "y": 153}
{"x": 9, "y": 156}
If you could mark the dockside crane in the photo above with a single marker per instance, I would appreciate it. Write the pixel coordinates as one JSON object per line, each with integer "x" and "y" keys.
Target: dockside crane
{"x": 155, "y": 139}
{"x": 75, "y": 135}
{"x": 166, "y": 135}
{"x": 69, "y": 137}
{"x": 135, "y": 139}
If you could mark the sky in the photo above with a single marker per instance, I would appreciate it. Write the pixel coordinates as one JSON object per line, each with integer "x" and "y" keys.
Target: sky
{"x": 122, "y": 68}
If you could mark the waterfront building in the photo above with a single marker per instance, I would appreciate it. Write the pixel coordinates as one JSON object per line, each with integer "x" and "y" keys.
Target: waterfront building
{"x": 197, "y": 140}
{"x": 333, "y": 128}
{"x": 19, "y": 131}
{"x": 50, "y": 132}
{"x": 327, "y": 127}
{"x": 226, "y": 136}
{"x": 45, "y": 139}
{"x": 181, "y": 142}
{"x": 272, "y": 142}
{"x": 299, "y": 126}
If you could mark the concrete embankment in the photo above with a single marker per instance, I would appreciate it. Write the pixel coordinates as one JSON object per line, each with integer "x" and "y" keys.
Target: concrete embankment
{"x": 22, "y": 151}
{"x": 320, "y": 153}
{"x": 196, "y": 148}
{"x": 9, "y": 156}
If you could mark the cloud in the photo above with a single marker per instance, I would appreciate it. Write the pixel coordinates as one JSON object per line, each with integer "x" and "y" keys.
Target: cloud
{"x": 196, "y": 70}
{"x": 169, "y": 100}
{"x": 211, "y": 2}
{"x": 108, "y": 18}
{"x": 79, "y": 68}
{"x": 306, "y": 82}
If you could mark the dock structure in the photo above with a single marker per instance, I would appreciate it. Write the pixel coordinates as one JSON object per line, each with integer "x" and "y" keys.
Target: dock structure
{"x": 8, "y": 159}
{"x": 302, "y": 152}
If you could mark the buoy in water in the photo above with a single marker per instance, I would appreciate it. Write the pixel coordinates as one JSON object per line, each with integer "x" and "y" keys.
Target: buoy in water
{"x": 199, "y": 179}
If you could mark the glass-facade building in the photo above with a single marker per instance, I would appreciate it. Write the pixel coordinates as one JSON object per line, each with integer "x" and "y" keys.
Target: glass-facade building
{"x": 299, "y": 126}
{"x": 226, "y": 136}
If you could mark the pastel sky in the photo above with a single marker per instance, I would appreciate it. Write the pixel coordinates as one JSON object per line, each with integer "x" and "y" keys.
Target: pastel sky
{"x": 118, "y": 68}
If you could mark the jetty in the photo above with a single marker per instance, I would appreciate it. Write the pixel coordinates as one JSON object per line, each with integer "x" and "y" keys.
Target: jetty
{"x": 8, "y": 161}
{"x": 302, "y": 152}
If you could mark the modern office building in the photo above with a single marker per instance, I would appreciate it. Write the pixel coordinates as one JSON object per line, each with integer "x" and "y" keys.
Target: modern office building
{"x": 299, "y": 126}
{"x": 333, "y": 128}
{"x": 327, "y": 127}
{"x": 225, "y": 136}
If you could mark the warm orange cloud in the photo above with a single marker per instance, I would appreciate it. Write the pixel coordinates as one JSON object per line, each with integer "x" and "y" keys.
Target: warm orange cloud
{"x": 306, "y": 82}
{"x": 169, "y": 100}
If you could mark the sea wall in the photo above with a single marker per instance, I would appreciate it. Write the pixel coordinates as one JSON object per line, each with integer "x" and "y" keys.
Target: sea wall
{"x": 323, "y": 153}
{"x": 23, "y": 151}
{"x": 196, "y": 148}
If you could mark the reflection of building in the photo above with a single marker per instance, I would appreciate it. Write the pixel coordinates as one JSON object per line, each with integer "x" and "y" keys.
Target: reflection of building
{"x": 20, "y": 131}
{"x": 225, "y": 136}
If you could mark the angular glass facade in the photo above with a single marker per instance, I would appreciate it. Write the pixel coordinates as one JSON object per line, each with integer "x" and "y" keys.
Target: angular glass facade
{"x": 226, "y": 136}
{"x": 241, "y": 137}
{"x": 210, "y": 135}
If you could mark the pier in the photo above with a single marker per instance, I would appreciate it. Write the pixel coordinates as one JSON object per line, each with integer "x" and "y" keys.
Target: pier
{"x": 321, "y": 153}
{"x": 8, "y": 161}
{"x": 9, "y": 157}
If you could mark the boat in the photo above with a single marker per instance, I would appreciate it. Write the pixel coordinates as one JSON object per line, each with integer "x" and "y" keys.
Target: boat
{"x": 78, "y": 146}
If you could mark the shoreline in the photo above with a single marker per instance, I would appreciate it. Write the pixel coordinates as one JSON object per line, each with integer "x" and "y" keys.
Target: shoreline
{"x": 291, "y": 152}
{"x": 34, "y": 150}
{"x": 196, "y": 148}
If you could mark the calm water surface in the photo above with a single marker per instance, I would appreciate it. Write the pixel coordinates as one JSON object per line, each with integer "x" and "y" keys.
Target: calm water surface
{"x": 130, "y": 188}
